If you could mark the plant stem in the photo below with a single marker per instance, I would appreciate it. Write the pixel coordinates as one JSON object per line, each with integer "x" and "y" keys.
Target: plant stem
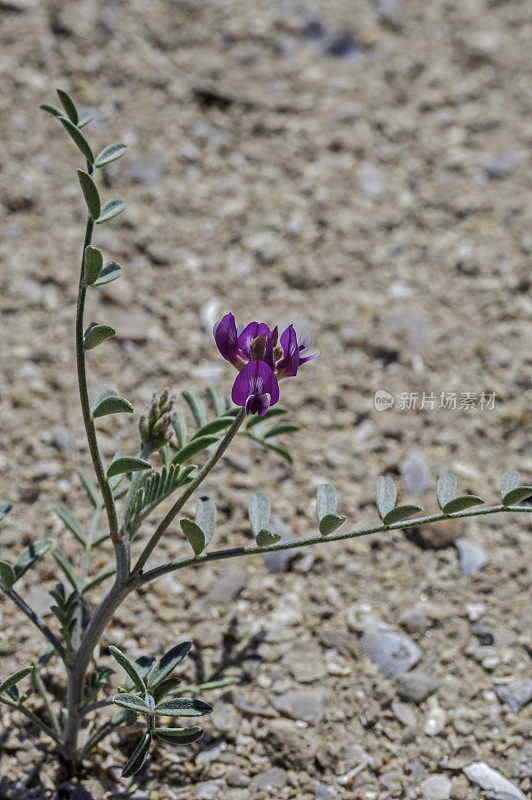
{"x": 41, "y": 688}
{"x": 194, "y": 561}
{"x": 37, "y": 621}
{"x": 35, "y": 719}
{"x": 191, "y": 488}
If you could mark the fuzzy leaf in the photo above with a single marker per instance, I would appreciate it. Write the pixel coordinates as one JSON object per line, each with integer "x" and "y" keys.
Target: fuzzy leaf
{"x": 183, "y": 707}
{"x": 510, "y": 480}
{"x": 272, "y": 412}
{"x": 259, "y": 512}
{"x": 179, "y": 425}
{"x": 53, "y": 110}
{"x": 110, "y": 153}
{"x": 144, "y": 665}
{"x": 127, "y": 464}
{"x": 206, "y": 517}
{"x": 96, "y": 334}
{"x": 30, "y": 555}
{"x": 284, "y": 427}
{"x": 110, "y": 209}
{"x": 66, "y": 567}
{"x": 386, "y": 496}
{"x": 461, "y": 503}
{"x": 68, "y": 105}
{"x": 197, "y": 407}
{"x": 110, "y": 272}
{"x": 129, "y": 667}
{"x": 7, "y": 575}
{"x": 194, "y": 534}
{"x": 214, "y": 426}
{"x": 193, "y": 447}
{"x": 152, "y": 490}
{"x": 325, "y": 500}
{"x": 138, "y": 757}
{"x": 446, "y": 488}
{"x": 164, "y": 688}
{"x": 78, "y": 138}
{"x": 132, "y": 702}
{"x": 517, "y": 495}
{"x": 90, "y": 192}
{"x": 167, "y": 664}
{"x": 400, "y": 513}
{"x": 99, "y": 578}
{"x": 179, "y": 735}
{"x": 329, "y": 523}
{"x": 93, "y": 264}
{"x": 84, "y": 118}
{"x": 112, "y": 405}
{"x": 71, "y": 523}
{"x": 217, "y": 399}
{"x": 265, "y": 538}
{"x": 15, "y": 678}
{"x": 5, "y": 508}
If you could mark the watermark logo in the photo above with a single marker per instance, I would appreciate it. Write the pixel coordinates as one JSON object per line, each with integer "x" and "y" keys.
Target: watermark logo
{"x": 383, "y": 400}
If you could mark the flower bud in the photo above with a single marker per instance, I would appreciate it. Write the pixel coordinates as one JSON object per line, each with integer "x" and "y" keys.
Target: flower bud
{"x": 155, "y": 426}
{"x": 257, "y": 348}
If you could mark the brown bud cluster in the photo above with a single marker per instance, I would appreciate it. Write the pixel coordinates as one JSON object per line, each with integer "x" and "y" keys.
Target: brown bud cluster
{"x": 155, "y": 425}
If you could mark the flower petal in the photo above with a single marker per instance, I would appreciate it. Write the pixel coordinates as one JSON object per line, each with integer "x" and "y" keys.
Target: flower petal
{"x": 255, "y": 380}
{"x": 226, "y": 339}
{"x": 249, "y": 333}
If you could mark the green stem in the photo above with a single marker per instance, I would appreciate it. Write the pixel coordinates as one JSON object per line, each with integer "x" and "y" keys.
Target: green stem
{"x": 41, "y": 688}
{"x": 37, "y": 621}
{"x": 236, "y": 552}
{"x": 191, "y": 488}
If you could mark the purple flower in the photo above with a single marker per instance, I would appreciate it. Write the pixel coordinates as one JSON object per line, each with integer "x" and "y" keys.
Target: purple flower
{"x": 255, "y": 388}
{"x": 295, "y": 353}
{"x": 261, "y": 360}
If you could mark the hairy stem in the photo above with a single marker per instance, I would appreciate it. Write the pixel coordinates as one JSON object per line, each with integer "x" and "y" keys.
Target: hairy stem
{"x": 41, "y": 688}
{"x": 236, "y": 552}
{"x": 37, "y": 621}
{"x": 191, "y": 488}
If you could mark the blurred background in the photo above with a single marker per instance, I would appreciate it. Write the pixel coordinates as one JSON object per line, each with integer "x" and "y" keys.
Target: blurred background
{"x": 359, "y": 167}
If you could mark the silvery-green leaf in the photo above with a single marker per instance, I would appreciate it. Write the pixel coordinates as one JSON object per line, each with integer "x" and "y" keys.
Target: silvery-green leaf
{"x": 29, "y": 556}
{"x": 112, "y": 405}
{"x": 138, "y": 758}
{"x": 386, "y": 496}
{"x": 84, "y": 118}
{"x": 66, "y": 567}
{"x": 129, "y": 667}
{"x": 179, "y": 424}
{"x": 165, "y": 688}
{"x": 194, "y": 534}
{"x": 53, "y": 110}
{"x": 90, "y": 192}
{"x": 325, "y": 500}
{"x": 461, "y": 503}
{"x": 179, "y": 735}
{"x": 7, "y": 575}
{"x": 516, "y": 495}
{"x": 68, "y": 105}
{"x": 71, "y": 523}
{"x": 214, "y": 426}
{"x": 446, "y": 488}
{"x": 259, "y": 512}
{"x": 93, "y": 264}
{"x": 510, "y": 480}
{"x": 96, "y": 334}
{"x": 127, "y": 464}
{"x": 197, "y": 407}
{"x": 110, "y": 153}
{"x": 280, "y": 450}
{"x": 400, "y": 513}
{"x": 110, "y": 272}
{"x": 132, "y": 702}
{"x": 193, "y": 447}
{"x": 329, "y": 523}
{"x": 102, "y": 576}
{"x": 183, "y": 707}
{"x": 78, "y": 138}
{"x": 144, "y": 666}
{"x": 206, "y": 517}
{"x": 167, "y": 664}
{"x": 110, "y": 209}
{"x": 88, "y": 485}
{"x": 217, "y": 399}
{"x": 277, "y": 430}
{"x": 5, "y": 508}
{"x": 272, "y": 412}
{"x": 14, "y": 678}
{"x": 265, "y": 538}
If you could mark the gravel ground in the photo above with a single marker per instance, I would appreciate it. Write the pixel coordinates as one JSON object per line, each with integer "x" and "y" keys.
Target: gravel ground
{"x": 359, "y": 167}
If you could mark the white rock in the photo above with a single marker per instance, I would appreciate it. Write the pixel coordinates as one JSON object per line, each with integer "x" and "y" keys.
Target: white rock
{"x": 472, "y": 556}
{"x": 436, "y": 787}
{"x": 496, "y": 785}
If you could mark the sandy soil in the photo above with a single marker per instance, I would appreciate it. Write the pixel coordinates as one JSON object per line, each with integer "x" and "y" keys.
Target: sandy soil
{"x": 358, "y": 167}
